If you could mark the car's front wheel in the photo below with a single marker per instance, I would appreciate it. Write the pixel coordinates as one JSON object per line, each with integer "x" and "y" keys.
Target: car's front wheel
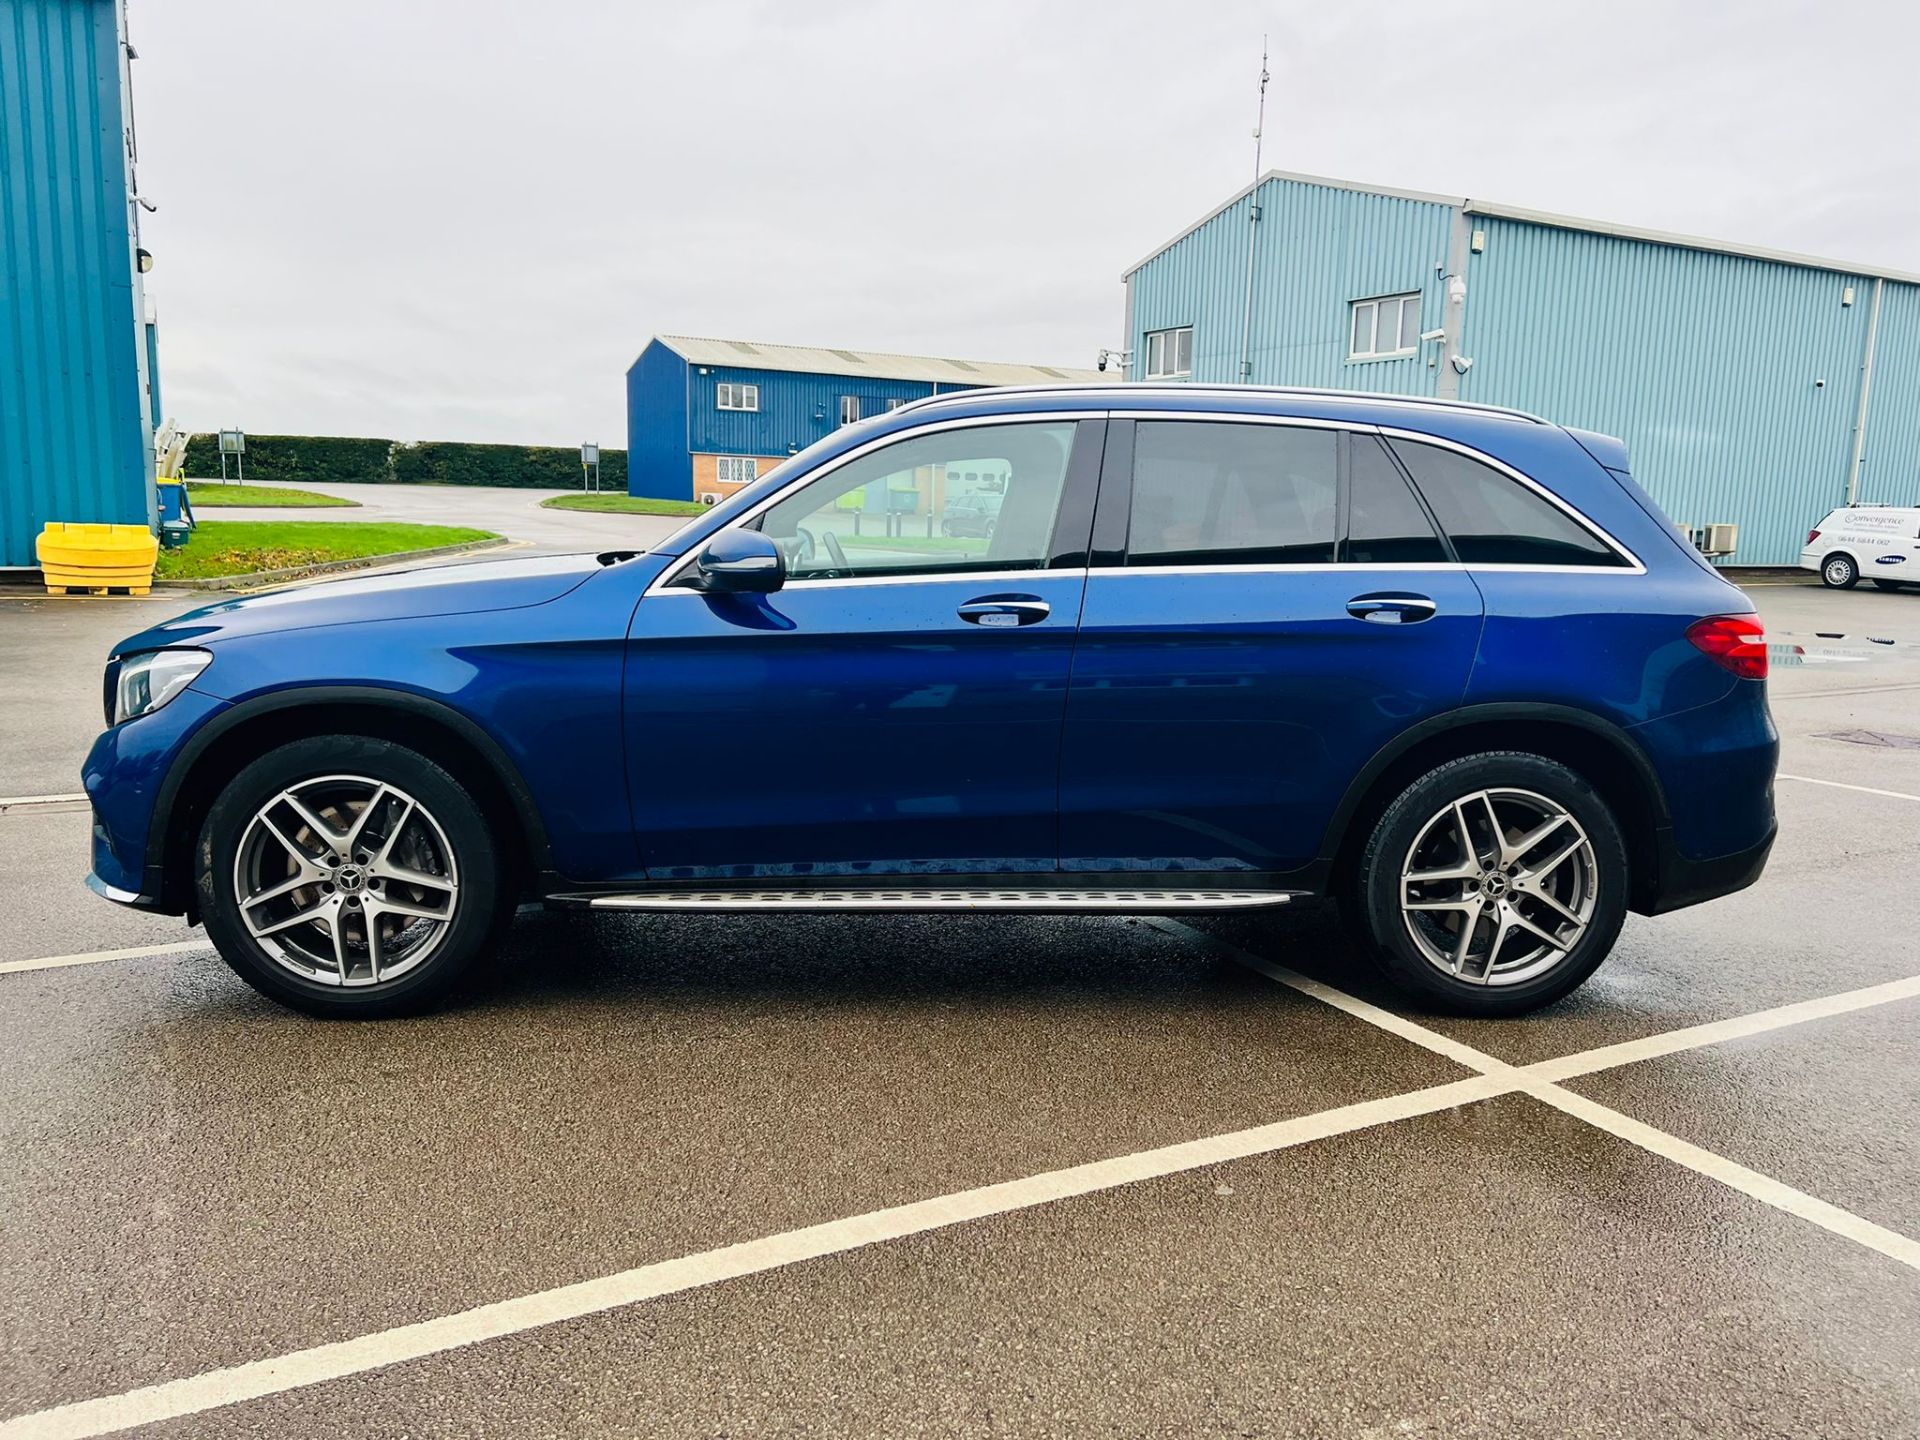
{"x": 348, "y": 876}
{"x": 1838, "y": 572}
{"x": 1493, "y": 884}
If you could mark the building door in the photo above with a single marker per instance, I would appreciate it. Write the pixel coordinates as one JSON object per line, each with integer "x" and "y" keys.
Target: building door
{"x": 895, "y": 708}
{"x": 1270, "y": 604}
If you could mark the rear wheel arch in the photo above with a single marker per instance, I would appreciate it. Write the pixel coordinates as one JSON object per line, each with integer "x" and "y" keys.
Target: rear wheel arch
{"x": 1599, "y": 752}
{"x": 239, "y": 736}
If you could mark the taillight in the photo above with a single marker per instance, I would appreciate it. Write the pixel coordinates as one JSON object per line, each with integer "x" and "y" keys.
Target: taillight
{"x": 1812, "y": 535}
{"x": 1733, "y": 642}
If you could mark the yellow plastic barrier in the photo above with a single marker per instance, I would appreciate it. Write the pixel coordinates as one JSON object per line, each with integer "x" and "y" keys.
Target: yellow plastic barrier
{"x": 96, "y": 559}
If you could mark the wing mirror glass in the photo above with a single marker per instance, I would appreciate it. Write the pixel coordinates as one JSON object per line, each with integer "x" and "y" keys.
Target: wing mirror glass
{"x": 740, "y": 562}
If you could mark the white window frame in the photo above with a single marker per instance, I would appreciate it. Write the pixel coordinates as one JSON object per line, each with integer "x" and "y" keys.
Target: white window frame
{"x": 1156, "y": 343}
{"x": 1377, "y": 304}
{"x": 849, "y": 409}
{"x": 736, "y": 469}
{"x": 734, "y": 395}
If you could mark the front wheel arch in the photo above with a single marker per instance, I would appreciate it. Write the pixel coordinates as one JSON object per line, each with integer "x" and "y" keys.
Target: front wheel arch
{"x": 237, "y": 737}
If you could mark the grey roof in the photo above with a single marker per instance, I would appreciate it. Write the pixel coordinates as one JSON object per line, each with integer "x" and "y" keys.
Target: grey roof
{"x": 869, "y": 364}
{"x": 1540, "y": 217}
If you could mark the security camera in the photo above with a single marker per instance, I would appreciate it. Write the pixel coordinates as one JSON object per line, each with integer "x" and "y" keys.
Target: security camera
{"x": 1462, "y": 363}
{"x": 1433, "y": 334}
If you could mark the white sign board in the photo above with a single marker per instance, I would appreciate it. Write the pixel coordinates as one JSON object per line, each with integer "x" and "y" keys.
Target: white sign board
{"x": 233, "y": 442}
{"x": 589, "y": 454}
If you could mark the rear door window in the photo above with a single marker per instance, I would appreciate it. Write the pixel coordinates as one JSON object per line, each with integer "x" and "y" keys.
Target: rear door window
{"x": 1220, "y": 493}
{"x": 1492, "y": 518}
{"x": 1385, "y": 523}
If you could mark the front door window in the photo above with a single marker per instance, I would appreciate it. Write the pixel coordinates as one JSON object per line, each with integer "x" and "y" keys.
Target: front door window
{"x": 980, "y": 497}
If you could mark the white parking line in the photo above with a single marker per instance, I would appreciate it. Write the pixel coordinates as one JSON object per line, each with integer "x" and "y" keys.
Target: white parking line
{"x": 20, "y": 802}
{"x": 1537, "y": 1080}
{"x": 297, "y": 1369}
{"x": 97, "y": 957}
{"x": 1841, "y": 785}
{"x": 217, "y": 1388}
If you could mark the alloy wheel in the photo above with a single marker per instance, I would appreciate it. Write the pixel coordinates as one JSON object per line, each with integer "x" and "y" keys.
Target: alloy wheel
{"x": 346, "y": 881}
{"x": 1498, "y": 887}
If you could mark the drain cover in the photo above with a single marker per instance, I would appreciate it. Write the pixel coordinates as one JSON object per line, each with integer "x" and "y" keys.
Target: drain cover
{"x": 1873, "y": 737}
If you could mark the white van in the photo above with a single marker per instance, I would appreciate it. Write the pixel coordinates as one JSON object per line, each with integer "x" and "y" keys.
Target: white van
{"x": 1881, "y": 542}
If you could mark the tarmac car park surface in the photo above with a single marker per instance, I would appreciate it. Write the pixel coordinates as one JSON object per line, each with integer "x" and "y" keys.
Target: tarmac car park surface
{"x": 664, "y": 1175}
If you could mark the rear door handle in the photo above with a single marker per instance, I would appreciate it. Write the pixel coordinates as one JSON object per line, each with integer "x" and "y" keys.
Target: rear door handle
{"x": 1005, "y": 611}
{"x": 1392, "y": 609}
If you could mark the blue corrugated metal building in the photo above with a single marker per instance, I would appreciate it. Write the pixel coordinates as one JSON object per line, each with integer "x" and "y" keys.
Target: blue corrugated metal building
{"x": 1752, "y": 386}
{"x": 706, "y": 416}
{"x": 77, "y": 393}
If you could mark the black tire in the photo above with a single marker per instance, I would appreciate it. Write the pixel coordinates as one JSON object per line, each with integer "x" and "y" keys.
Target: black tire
{"x": 1839, "y": 572}
{"x": 1889, "y": 585}
{"x": 1374, "y": 898}
{"x": 482, "y": 905}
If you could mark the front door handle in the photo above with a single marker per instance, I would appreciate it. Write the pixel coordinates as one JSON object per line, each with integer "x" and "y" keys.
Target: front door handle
{"x": 1005, "y": 611}
{"x": 1392, "y": 609}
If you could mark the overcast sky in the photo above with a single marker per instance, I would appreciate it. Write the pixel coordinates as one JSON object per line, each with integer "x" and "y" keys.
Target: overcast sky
{"x": 463, "y": 220}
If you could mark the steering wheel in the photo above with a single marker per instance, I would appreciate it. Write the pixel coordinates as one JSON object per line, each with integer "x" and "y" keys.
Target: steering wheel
{"x": 804, "y": 547}
{"x": 833, "y": 549}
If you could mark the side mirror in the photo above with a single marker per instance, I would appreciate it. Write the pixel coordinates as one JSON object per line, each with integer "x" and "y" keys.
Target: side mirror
{"x": 740, "y": 562}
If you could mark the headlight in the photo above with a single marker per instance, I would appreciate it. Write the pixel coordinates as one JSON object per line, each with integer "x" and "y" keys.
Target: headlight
{"x": 149, "y": 681}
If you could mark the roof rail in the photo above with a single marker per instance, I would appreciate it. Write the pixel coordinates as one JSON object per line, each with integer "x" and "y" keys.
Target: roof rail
{"x": 1135, "y": 387}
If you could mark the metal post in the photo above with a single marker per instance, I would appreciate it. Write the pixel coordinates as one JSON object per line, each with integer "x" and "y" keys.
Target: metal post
{"x": 1866, "y": 390}
{"x": 1245, "y": 374}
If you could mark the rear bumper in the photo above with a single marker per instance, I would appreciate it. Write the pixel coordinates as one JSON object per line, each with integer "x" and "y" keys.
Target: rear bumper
{"x": 1685, "y": 882}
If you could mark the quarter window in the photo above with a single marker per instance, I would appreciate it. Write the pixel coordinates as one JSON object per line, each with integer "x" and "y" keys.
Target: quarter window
{"x": 1385, "y": 327}
{"x": 737, "y": 469}
{"x": 1170, "y": 353}
{"x": 1385, "y": 524}
{"x": 1492, "y": 518}
{"x": 730, "y": 396}
{"x": 893, "y": 512}
{"x": 1212, "y": 493}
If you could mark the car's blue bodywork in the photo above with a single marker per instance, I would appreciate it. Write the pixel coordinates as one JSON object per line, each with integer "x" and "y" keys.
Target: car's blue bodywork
{"x": 1155, "y": 721}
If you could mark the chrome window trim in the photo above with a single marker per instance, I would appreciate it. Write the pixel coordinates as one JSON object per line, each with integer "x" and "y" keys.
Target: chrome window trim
{"x": 663, "y": 582}
{"x": 845, "y": 582}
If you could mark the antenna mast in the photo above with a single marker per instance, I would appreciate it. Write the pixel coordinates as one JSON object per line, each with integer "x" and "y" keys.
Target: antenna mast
{"x": 1253, "y": 225}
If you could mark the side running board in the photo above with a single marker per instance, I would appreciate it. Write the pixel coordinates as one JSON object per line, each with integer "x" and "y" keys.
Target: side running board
{"x": 1152, "y": 902}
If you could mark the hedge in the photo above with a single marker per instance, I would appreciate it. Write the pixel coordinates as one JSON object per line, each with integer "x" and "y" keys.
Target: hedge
{"x": 354, "y": 460}
{"x": 336, "y": 458}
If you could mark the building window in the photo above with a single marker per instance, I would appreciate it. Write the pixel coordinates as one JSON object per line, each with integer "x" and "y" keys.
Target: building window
{"x": 737, "y": 470}
{"x": 1384, "y": 327}
{"x": 895, "y": 404}
{"x": 849, "y": 409}
{"x": 1169, "y": 353}
{"x": 737, "y": 397}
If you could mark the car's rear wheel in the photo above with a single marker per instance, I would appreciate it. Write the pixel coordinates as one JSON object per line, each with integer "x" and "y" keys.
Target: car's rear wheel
{"x": 1838, "y": 572}
{"x": 348, "y": 876}
{"x": 1493, "y": 884}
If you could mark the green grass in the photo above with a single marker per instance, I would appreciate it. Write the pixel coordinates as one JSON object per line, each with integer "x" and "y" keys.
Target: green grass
{"x": 206, "y": 494}
{"x": 624, "y": 505}
{"x": 241, "y": 547}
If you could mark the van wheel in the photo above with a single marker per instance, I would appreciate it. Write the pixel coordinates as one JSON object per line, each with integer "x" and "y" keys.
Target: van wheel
{"x": 1838, "y": 572}
{"x": 1888, "y": 585}
{"x": 1493, "y": 885}
{"x": 349, "y": 877}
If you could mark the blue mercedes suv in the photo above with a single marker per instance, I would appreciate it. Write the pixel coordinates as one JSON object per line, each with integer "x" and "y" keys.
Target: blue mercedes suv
{"x": 1223, "y": 648}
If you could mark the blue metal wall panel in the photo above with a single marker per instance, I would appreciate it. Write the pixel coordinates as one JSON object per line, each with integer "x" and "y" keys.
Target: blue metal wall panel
{"x": 1705, "y": 364}
{"x": 795, "y": 410}
{"x": 1890, "y": 463}
{"x": 74, "y": 443}
{"x": 1320, "y": 249}
{"x": 659, "y": 464}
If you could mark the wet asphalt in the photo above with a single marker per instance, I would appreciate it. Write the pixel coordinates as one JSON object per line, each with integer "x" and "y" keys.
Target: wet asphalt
{"x": 191, "y": 1178}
